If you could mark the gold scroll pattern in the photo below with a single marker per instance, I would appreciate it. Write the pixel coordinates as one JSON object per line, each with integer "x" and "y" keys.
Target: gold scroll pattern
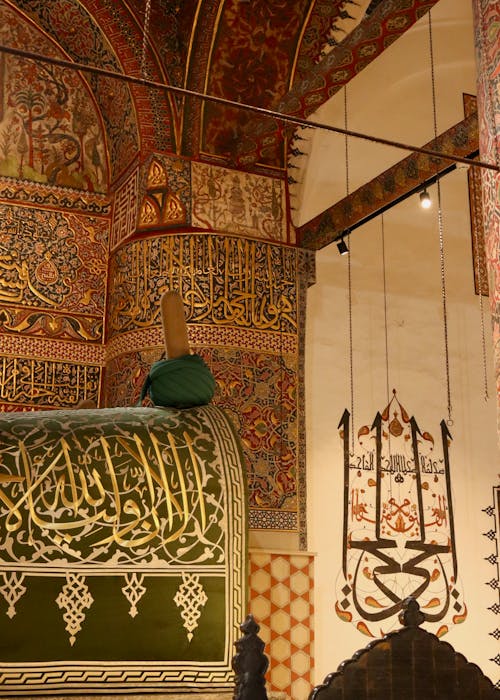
{"x": 52, "y": 260}
{"x": 223, "y": 281}
{"x": 79, "y": 489}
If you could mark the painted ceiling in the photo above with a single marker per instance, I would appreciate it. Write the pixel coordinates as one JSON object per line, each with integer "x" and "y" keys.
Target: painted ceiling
{"x": 248, "y": 56}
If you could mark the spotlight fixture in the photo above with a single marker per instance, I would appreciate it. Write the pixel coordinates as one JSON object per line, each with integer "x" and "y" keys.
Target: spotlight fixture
{"x": 425, "y": 199}
{"x": 342, "y": 246}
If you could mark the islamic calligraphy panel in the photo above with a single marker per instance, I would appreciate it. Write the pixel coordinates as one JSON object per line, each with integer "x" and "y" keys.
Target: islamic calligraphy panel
{"x": 238, "y": 202}
{"x": 398, "y": 525}
{"x": 133, "y": 522}
{"x": 223, "y": 281}
{"x": 39, "y": 383}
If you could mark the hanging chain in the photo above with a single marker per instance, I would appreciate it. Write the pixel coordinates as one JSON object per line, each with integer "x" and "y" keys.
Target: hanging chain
{"x": 349, "y": 276}
{"x": 443, "y": 295}
{"x": 384, "y": 271}
{"x": 441, "y": 233}
{"x": 479, "y": 275}
{"x": 385, "y": 311}
{"x": 145, "y": 33}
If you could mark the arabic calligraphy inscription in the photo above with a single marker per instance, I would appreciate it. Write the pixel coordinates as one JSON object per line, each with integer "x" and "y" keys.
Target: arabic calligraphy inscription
{"x": 398, "y": 525}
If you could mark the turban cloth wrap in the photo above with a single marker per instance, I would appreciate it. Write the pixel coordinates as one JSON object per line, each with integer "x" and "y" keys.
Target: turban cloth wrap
{"x": 181, "y": 382}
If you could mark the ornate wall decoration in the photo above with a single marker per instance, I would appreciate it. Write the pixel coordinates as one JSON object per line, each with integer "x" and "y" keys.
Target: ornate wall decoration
{"x": 225, "y": 281}
{"x": 63, "y": 198}
{"x": 486, "y": 24}
{"x": 74, "y": 29}
{"x": 50, "y": 130}
{"x": 165, "y": 193}
{"x": 52, "y": 261}
{"x": 136, "y": 553}
{"x": 492, "y": 534}
{"x": 53, "y": 269}
{"x": 241, "y": 301}
{"x": 125, "y": 207}
{"x": 238, "y": 202}
{"x": 398, "y": 525}
{"x": 281, "y": 600}
{"x": 476, "y": 215}
{"x": 239, "y": 50}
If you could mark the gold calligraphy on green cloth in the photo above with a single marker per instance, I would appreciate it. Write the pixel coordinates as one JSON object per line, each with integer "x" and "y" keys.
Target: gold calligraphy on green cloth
{"x": 123, "y": 532}
{"x": 87, "y": 491}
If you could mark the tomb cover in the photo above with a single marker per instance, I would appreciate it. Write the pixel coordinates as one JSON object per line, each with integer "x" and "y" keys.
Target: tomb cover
{"x": 122, "y": 550}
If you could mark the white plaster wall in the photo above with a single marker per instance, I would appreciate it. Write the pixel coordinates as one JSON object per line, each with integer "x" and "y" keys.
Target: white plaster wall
{"x": 417, "y": 371}
{"x": 391, "y": 98}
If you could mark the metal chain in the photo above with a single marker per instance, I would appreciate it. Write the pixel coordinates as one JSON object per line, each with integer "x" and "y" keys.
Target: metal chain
{"x": 479, "y": 275}
{"x": 443, "y": 295}
{"x": 349, "y": 276}
{"x": 145, "y": 33}
{"x": 384, "y": 269}
{"x": 441, "y": 234}
{"x": 385, "y": 310}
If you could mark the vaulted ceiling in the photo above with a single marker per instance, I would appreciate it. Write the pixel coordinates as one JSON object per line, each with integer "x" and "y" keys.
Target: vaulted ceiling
{"x": 250, "y": 59}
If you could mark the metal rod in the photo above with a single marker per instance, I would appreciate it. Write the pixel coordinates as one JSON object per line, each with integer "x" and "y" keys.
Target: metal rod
{"x": 262, "y": 111}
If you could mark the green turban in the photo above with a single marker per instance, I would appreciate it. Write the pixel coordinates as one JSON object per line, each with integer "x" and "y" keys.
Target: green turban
{"x": 181, "y": 382}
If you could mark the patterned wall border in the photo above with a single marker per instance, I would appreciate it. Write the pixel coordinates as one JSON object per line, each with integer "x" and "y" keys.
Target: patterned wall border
{"x": 493, "y": 536}
{"x": 476, "y": 214}
{"x": 25, "y": 192}
{"x": 29, "y": 347}
{"x": 281, "y": 600}
{"x": 273, "y": 520}
{"x": 203, "y": 335}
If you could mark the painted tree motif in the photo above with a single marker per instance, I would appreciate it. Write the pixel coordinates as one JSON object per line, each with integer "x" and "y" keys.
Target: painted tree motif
{"x": 49, "y": 128}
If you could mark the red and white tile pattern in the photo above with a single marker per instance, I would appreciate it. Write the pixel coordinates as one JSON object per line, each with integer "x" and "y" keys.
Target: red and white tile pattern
{"x": 281, "y": 601}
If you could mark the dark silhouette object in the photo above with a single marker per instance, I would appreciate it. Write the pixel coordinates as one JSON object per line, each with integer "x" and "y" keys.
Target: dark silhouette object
{"x": 407, "y": 664}
{"x": 250, "y": 663}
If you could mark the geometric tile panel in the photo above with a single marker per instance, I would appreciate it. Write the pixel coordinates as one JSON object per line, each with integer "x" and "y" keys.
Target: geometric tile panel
{"x": 281, "y": 601}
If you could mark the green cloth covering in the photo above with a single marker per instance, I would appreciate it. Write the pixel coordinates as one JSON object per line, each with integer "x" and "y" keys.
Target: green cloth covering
{"x": 123, "y": 557}
{"x": 182, "y": 382}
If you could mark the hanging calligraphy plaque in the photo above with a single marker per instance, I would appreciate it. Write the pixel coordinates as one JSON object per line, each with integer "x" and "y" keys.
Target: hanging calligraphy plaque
{"x": 398, "y": 538}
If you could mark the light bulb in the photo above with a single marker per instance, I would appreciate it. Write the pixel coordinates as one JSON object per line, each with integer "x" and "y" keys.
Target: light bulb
{"x": 425, "y": 199}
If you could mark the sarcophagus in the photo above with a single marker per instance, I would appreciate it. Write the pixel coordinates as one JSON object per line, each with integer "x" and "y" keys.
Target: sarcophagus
{"x": 122, "y": 550}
